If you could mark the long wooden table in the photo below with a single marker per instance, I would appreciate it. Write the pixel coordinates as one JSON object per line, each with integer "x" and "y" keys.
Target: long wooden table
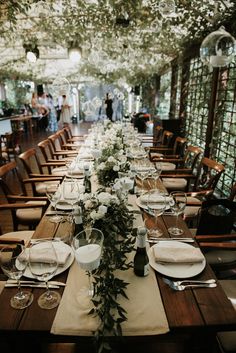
{"x": 194, "y": 316}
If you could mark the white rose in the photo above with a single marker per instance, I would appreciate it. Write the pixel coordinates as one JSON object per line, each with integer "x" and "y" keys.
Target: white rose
{"x": 102, "y": 166}
{"x": 102, "y": 209}
{"x": 111, "y": 159}
{"x": 88, "y": 204}
{"x": 104, "y": 198}
{"x": 116, "y": 168}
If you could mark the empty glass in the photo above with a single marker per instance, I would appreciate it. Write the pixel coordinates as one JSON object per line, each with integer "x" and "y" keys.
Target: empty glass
{"x": 43, "y": 264}
{"x": 177, "y": 203}
{"x": 13, "y": 264}
{"x": 54, "y": 196}
{"x": 156, "y": 204}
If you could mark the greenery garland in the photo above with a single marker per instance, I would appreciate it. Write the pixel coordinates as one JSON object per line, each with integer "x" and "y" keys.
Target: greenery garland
{"x": 111, "y": 215}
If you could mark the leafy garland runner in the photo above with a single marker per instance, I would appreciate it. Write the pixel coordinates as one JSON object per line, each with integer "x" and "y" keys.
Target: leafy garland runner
{"x": 112, "y": 217}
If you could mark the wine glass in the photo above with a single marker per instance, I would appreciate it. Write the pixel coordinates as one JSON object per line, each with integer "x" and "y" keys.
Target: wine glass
{"x": 156, "y": 204}
{"x": 54, "y": 197}
{"x": 43, "y": 264}
{"x": 13, "y": 263}
{"x": 87, "y": 246}
{"x": 71, "y": 192}
{"x": 155, "y": 173}
{"x": 177, "y": 203}
{"x": 142, "y": 173}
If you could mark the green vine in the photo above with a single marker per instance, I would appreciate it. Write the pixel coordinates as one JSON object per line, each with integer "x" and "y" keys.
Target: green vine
{"x": 111, "y": 215}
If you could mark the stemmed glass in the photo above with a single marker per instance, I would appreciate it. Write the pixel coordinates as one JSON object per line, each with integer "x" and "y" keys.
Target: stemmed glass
{"x": 43, "y": 264}
{"x": 54, "y": 197}
{"x": 155, "y": 173}
{"x": 87, "y": 246}
{"x": 71, "y": 192}
{"x": 13, "y": 263}
{"x": 142, "y": 173}
{"x": 177, "y": 203}
{"x": 156, "y": 204}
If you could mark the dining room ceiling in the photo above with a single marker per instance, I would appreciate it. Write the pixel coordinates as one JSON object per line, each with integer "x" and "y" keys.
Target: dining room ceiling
{"x": 120, "y": 40}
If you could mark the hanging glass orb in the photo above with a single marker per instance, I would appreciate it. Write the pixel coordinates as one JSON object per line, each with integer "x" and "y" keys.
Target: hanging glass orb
{"x": 167, "y": 8}
{"x": 218, "y": 48}
{"x": 60, "y": 86}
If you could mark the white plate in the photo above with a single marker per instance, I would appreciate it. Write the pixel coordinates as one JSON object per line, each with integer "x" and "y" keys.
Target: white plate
{"x": 143, "y": 205}
{"x": 175, "y": 270}
{"x": 57, "y": 245}
{"x": 63, "y": 206}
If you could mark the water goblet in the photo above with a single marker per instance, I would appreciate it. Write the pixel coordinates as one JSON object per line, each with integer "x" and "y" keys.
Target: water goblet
{"x": 54, "y": 196}
{"x": 43, "y": 264}
{"x": 87, "y": 246}
{"x": 142, "y": 173}
{"x": 177, "y": 203}
{"x": 156, "y": 204}
{"x": 71, "y": 192}
{"x": 13, "y": 264}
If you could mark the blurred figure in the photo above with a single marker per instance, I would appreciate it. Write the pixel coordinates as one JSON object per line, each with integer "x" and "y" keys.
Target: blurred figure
{"x": 108, "y": 105}
{"x": 52, "y": 116}
{"x": 65, "y": 117}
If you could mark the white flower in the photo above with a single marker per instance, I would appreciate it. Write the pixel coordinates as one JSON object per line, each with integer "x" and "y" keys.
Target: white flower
{"x": 104, "y": 198}
{"x": 88, "y": 204}
{"x": 102, "y": 209}
{"x": 111, "y": 159}
{"x": 116, "y": 168}
{"x": 96, "y": 215}
{"x": 102, "y": 166}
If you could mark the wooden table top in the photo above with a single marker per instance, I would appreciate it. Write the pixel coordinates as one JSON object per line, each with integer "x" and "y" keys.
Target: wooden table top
{"x": 187, "y": 311}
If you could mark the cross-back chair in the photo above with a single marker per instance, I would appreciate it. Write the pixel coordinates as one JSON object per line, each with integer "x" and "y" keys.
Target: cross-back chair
{"x": 34, "y": 169}
{"x": 25, "y": 210}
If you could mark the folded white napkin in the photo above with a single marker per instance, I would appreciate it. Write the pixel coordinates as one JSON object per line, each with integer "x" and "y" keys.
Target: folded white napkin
{"x": 76, "y": 172}
{"x": 167, "y": 253}
{"x": 40, "y": 255}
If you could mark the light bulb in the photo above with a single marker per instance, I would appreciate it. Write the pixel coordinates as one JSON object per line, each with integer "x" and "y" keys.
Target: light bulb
{"x": 31, "y": 57}
{"x": 74, "y": 54}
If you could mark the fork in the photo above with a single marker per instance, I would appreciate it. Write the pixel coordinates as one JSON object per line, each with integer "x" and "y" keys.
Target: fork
{"x": 183, "y": 287}
{"x": 188, "y": 281}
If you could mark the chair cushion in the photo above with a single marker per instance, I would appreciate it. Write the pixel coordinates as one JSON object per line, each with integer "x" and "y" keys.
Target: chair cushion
{"x": 215, "y": 257}
{"x": 41, "y": 187}
{"x": 166, "y": 166}
{"x": 25, "y": 235}
{"x": 33, "y": 214}
{"x": 59, "y": 171}
{"x": 174, "y": 183}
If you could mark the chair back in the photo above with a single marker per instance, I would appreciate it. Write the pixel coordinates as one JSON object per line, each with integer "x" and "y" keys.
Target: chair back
{"x": 233, "y": 193}
{"x": 31, "y": 162}
{"x": 10, "y": 175}
{"x": 55, "y": 142}
{"x": 46, "y": 150}
{"x": 167, "y": 138}
{"x": 179, "y": 146}
{"x": 208, "y": 174}
{"x": 191, "y": 157}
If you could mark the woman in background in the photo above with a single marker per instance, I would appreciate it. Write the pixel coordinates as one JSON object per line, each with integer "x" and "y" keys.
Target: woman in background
{"x": 108, "y": 105}
{"x": 65, "y": 117}
{"x": 52, "y": 116}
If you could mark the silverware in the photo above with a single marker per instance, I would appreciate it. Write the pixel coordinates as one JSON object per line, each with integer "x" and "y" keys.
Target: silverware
{"x": 39, "y": 285}
{"x": 192, "y": 286}
{"x": 157, "y": 240}
{"x": 188, "y": 281}
{"x": 54, "y": 283}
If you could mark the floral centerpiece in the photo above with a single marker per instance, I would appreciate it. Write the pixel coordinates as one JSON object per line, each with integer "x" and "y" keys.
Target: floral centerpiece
{"x": 112, "y": 159}
{"x": 110, "y": 214}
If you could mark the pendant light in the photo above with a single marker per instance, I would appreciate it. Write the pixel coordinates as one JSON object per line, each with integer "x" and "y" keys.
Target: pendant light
{"x": 218, "y": 48}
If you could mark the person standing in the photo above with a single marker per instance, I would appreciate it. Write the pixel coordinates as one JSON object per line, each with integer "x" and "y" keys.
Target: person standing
{"x": 65, "y": 117}
{"x": 108, "y": 105}
{"x": 52, "y": 121}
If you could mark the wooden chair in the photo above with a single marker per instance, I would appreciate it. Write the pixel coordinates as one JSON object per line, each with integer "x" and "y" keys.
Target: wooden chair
{"x": 178, "y": 150}
{"x": 25, "y": 210}
{"x": 10, "y": 144}
{"x": 57, "y": 150}
{"x": 70, "y": 137}
{"x": 31, "y": 164}
{"x": 154, "y": 139}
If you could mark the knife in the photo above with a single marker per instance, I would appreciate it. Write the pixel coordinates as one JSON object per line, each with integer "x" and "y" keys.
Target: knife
{"x": 183, "y": 240}
{"x": 40, "y": 285}
{"x": 54, "y": 283}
